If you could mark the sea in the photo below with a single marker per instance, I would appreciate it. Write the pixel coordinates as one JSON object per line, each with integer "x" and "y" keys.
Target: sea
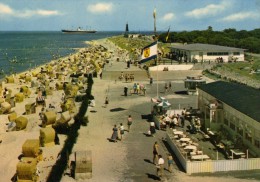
{"x": 24, "y": 50}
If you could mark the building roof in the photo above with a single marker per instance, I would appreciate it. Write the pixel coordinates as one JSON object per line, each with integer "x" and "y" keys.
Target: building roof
{"x": 205, "y": 47}
{"x": 242, "y": 98}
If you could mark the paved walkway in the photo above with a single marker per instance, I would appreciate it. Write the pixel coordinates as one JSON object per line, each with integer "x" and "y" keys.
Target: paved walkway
{"x": 129, "y": 159}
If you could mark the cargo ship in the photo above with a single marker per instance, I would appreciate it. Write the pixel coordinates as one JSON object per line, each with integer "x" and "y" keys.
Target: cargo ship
{"x": 78, "y": 30}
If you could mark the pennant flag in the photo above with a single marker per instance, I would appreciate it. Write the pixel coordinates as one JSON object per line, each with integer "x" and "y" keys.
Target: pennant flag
{"x": 167, "y": 36}
{"x": 154, "y": 13}
{"x": 149, "y": 52}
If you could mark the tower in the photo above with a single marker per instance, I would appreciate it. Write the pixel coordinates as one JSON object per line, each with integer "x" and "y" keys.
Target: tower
{"x": 126, "y": 30}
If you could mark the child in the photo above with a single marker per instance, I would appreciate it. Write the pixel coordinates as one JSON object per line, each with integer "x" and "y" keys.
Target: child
{"x": 170, "y": 162}
{"x": 129, "y": 122}
{"x": 106, "y": 101}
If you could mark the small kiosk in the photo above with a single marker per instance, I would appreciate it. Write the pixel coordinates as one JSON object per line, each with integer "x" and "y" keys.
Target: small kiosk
{"x": 191, "y": 83}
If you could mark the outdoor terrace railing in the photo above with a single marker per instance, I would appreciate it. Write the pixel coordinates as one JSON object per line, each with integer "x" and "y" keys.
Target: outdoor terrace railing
{"x": 210, "y": 165}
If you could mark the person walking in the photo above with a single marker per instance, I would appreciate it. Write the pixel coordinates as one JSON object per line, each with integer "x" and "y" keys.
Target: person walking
{"x": 182, "y": 120}
{"x": 137, "y": 88}
{"x": 144, "y": 90}
{"x": 125, "y": 90}
{"x": 106, "y": 102}
{"x": 114, "y": 136}
{"x": 160, "y": 167}
{"x": 129, "y": 122}
{"x": 151, "y": 80}
{"x": 170, "y": 86}
{"x": 170, "y": 162}
{"x": 152, "y": 128}
{"x": 155, "y": 152}
{"x": 166, "y": 87}
{"x": 122, "y": 131}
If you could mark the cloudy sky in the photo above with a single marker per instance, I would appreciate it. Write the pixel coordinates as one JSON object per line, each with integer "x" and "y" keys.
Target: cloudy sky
{"x": 109, "y": 15}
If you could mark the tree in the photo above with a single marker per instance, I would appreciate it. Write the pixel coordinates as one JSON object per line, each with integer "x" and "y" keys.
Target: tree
{"x": 228, "y": 37}
{"x": 201, "y": 40}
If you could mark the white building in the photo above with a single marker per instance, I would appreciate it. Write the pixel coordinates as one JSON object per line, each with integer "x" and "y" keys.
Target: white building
{"x": 206, "y": 52}
{"x": 234, "y": 108}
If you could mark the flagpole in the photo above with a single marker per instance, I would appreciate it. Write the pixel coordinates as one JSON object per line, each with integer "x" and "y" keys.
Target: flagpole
{"x": 155, "y": 37}
{"x": 157, "y": 71}
{"x": 154, "y": 16}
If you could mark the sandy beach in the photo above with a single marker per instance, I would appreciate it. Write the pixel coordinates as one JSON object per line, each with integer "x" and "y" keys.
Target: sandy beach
{"x": 126, "y": 160}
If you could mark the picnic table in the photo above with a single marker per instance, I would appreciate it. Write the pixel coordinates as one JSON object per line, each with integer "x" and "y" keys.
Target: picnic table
{"x": 238, "y": 152}
{"x": 178, "y": 132}
{"x": 185, "y": 139}
{"x": 183, "y": 144}
{"x": 199, "y": 157}
{"x": 190, "y": 147}
{"x": 192, "y": 153}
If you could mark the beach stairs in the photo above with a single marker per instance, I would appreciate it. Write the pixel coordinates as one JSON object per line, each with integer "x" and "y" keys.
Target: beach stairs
{"x": 174, "y": 75}
{"x": 143, "y": 75}
{"x": 139, "y": 75}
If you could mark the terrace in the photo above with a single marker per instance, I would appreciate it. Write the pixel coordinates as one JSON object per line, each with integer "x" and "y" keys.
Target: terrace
{"x": 209, "y": 151}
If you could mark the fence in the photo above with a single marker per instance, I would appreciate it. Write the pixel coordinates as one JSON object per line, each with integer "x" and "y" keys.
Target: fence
{"x": 211, "y": 165}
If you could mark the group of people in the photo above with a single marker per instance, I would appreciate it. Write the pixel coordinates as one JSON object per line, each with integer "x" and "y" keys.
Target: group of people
{"x": 139, "y": 89}
{"x": 167, "y": 87}
{"x": 173, "y": 121}
{"x": 128, "y": 77}
{"x": 159, "y": 161}
{"x": 119, "y": 131}
{"x": 195, "y": 124}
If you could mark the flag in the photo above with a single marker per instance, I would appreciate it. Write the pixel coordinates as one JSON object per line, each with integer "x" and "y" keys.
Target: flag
{"x": 154, "y": 13}
{"x": 149, "y": 52}
{"x": 167, "y": 36}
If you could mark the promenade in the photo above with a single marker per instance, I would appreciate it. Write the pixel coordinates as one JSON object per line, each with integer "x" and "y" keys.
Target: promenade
{"x": 130, "y": 159}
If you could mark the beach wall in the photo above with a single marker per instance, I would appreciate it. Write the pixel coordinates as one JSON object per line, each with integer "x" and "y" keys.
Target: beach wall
{"x": 170, "y": 67}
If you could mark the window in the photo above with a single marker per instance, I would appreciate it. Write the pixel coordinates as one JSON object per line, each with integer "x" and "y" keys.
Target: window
{"x": 226, "y": 121}
{"x": 236, "y": 53}
{"x": 217, "y": 53}
{"x": 240, "y": 131}
{"x": 257, "y": 143}
{"x": 248, "y": 137}
{"x": 232, "y": 126}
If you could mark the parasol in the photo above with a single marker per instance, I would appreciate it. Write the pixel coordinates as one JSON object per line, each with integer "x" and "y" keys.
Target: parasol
{"x": 164, "y": 104}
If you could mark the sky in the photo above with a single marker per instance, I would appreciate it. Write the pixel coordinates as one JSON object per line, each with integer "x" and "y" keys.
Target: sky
{"x": 112, "y": 15}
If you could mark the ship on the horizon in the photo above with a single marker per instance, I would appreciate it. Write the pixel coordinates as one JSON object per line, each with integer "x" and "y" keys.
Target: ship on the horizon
{"x": 78, "y": 30}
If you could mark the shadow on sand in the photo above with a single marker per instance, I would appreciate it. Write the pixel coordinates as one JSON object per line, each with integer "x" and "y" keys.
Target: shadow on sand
{"x": 148, "y": 161}
{"x": 147, "y": 135}
{"x": 154, "y": 177}
{"x": 117, "y": 109}
{"x": 111, "y": 140}
{"x": 183, "y": 92}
